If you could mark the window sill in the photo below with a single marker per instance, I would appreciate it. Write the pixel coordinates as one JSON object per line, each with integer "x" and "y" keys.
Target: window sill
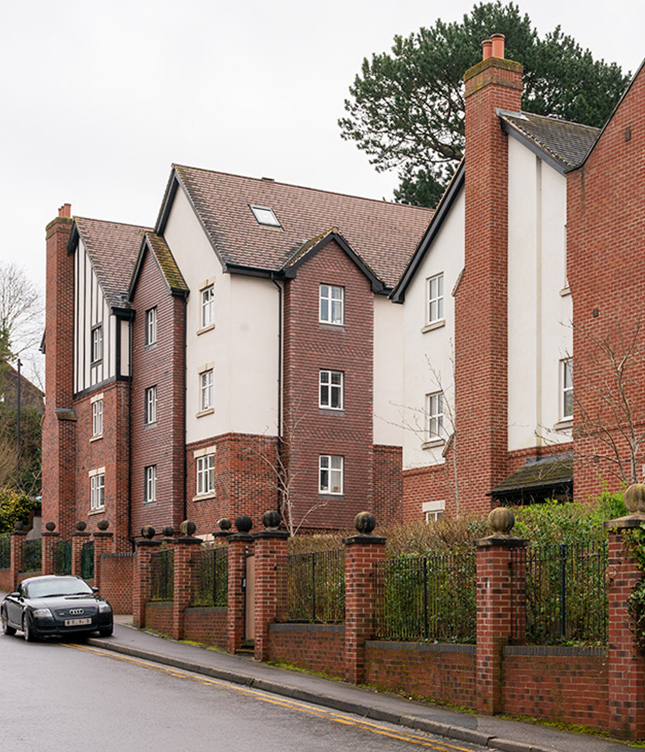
{"x": 566, "y": 424}
{"x": 150, "y": 425}
{"x": 565, "y": 291}
{"x": 330, "y": 494}
{"x": 96, "y": 438}
{"x": 331, "y": 325}
{"x": 92, "y": 512}
{"x": 205, "y": 329}
{"x": 149, "y": 346}
{"x": 203, "y": 413}
{"x": 204, "y": 497}
{"x": 150, "y": 503}
{"x": 332, "y": 410}
{"x": 433, "y": 325}
{"x": 433, "y": 443}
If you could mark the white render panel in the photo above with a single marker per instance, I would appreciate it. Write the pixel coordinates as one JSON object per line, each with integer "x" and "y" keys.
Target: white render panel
{"x": 428, "y": 355}
{"x": 388, "y": 372}
{"x": 242, "y": 344}
{"x": 539, "y": 316}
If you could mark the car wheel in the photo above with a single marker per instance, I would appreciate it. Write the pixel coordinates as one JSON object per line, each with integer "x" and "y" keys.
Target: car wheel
{"x": 27, "y": 628}
{"x": 6, "y": 629}
{"x": 106, "y": 631}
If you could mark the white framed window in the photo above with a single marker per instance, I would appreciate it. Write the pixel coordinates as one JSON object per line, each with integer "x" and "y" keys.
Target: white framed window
{"x": 151, "y": 326}
{"x": 330, "y": 395}
{"x": 434, "y": 416}
{"x": 205, "y": 474}
{"x": 150, "y": 484}
{"x": 433, "y": 510}
{"x": 207, "y": 311}
{"x": 97, "y": 490}
{"x": 331, "y": 471}
{"x": 151, "y": 405}
{"x": 97, "y": 343}
{"x": 566, "y": 381}
{"x": 434, "y": 311}
{"x": 265, "y": 216}
{"x": 206, "y": 390}
{"x": 97, "y": 418}
{"x": 332, "y": 305}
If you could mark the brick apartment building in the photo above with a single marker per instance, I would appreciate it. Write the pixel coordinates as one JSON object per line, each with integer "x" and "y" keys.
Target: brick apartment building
{"x": 267, "y": 345}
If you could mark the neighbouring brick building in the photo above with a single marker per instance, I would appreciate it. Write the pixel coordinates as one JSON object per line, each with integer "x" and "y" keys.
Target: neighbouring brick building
{"x": 267, "y": 345}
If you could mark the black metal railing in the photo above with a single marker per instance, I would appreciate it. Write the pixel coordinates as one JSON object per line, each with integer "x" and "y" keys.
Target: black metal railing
{"x": 5, "y": 551}
{"x": 212, "y": 582}
{"x": 32, "y": 557}
{"x": 312, "y": 587}
{"x": 63, "y": 557}
{"x": 427, "y": 598}
{"x": 162, "y": 585}
{"x": 566, "y": 594}
{"x": 87, "y": 560}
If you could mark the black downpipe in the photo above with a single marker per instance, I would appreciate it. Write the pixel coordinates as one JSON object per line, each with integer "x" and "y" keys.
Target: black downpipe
{"x": 280, "y": 324}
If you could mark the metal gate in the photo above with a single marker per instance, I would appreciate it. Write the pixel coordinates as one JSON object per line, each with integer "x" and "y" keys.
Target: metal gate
{"x": 87, "y": 561}
{"x": 63, "y": 557}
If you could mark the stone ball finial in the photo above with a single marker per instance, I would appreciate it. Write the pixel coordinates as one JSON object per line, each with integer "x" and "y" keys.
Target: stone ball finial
{"x": 635, "y": 498}
{"x": 271, "y": 519}
{"x": 188, "y": 527}
{"x": 501, "y": 520}
{"x": 81, "y": 525}
{"x": 224, "y": 524}
{"x": 103, "y": 525}
{"x": 18, "y": 526}
{"x": 365, "y": 522}
{"x": 50, "y": 527}
{"x": 168, "y": 531}
{"x": 243, "y": 523}
{"x": 147, "y": 531}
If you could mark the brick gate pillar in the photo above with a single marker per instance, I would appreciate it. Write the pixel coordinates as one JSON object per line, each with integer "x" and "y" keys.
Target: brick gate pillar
{"x": 187, "y": 550}
{"x": 102, "y": 545}
{"x": 17, "y": 554}
{"x": 362, "y": 552}
{"x": 626, "y": 669}
{"x": 270, "y": 545}
{"x": 142, "y": 575}
{"x": 239, "y": 544}
{"x": 50, "y": 541}
{"x": 496, "y": 593}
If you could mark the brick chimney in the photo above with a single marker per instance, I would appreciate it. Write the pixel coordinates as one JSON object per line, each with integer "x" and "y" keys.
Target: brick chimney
{"x": 59, "y": 442}
{"x": 481, "y": 359}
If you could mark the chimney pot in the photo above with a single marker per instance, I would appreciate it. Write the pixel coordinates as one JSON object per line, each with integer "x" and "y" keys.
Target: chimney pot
{"x": 498, "y": 45}
{"x": 487, "y": 45}
{"x": 65, "y": 210}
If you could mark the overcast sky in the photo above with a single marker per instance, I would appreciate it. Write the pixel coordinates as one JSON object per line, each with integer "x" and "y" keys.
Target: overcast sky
{"x": 101, "y": 97}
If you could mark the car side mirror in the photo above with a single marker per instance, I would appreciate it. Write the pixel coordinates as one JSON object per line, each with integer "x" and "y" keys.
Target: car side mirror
{"x": 95, "y": 590}
{"x": 16, "y": 595}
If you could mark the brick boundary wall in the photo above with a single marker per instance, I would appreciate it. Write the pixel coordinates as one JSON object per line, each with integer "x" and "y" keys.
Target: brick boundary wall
{"x": 158, "y": 617}
{"x": 207, "y": 625}
{"x": 5, "y": 580}
{"x": 116, "y": 581}
{"x": 315, "y": 647}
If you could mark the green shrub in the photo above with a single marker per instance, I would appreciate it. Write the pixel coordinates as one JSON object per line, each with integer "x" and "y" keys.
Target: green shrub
{"x": 15, "y": 507}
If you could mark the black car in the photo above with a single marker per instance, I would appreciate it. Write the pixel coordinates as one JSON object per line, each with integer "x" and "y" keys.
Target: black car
{"x": 55, "y": 605}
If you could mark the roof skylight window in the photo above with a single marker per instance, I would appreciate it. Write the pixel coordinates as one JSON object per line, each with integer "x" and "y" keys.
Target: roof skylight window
{"x": 265, "y": 216}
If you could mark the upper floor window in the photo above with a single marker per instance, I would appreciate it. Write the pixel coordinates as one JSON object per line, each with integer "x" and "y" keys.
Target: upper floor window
{"x": 151, "y": 405}
{"x": 433, "y": 510}
{"x": 332, "y": 304}
{"x": 150, "y": 484}
{"x": 97, "y": 418}
{"x": 434, "y": 310}
{"x": 207, "y": 315}
{"x": 97, "y": 490}
{"x": 206, "y": 390}
{"x": 566, "y": 380}
{"x": 331, "y": 470}
{"x": 97, "y": 343}
{"x": 151, "y": 326}
{"x": 331, "y": 390}
{"x": 205, "y": 474}
{"x": 434, "y": 416}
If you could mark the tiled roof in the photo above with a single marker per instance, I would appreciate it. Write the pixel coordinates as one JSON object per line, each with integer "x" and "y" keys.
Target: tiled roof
{"x": 555, "y": 470}
{"x": 568, "y": 143}
{"x": 113, "y": 249}
{"x": 384, "y": 235}
{"x": 167, "y": 263}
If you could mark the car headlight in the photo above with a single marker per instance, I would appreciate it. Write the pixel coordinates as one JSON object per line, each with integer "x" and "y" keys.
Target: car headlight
{"x": 104, "y": 608}
{"x": 42, "y": 613}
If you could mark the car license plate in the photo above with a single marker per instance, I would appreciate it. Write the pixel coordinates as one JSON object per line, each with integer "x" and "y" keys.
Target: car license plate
{"x": 77, "y": 622}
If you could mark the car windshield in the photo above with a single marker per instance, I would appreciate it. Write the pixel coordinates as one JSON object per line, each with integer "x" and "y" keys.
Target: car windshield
{"x": 58, "y": 586}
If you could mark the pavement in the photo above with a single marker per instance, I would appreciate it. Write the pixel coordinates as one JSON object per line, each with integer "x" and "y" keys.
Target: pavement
{"x": 487, "y": 731}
